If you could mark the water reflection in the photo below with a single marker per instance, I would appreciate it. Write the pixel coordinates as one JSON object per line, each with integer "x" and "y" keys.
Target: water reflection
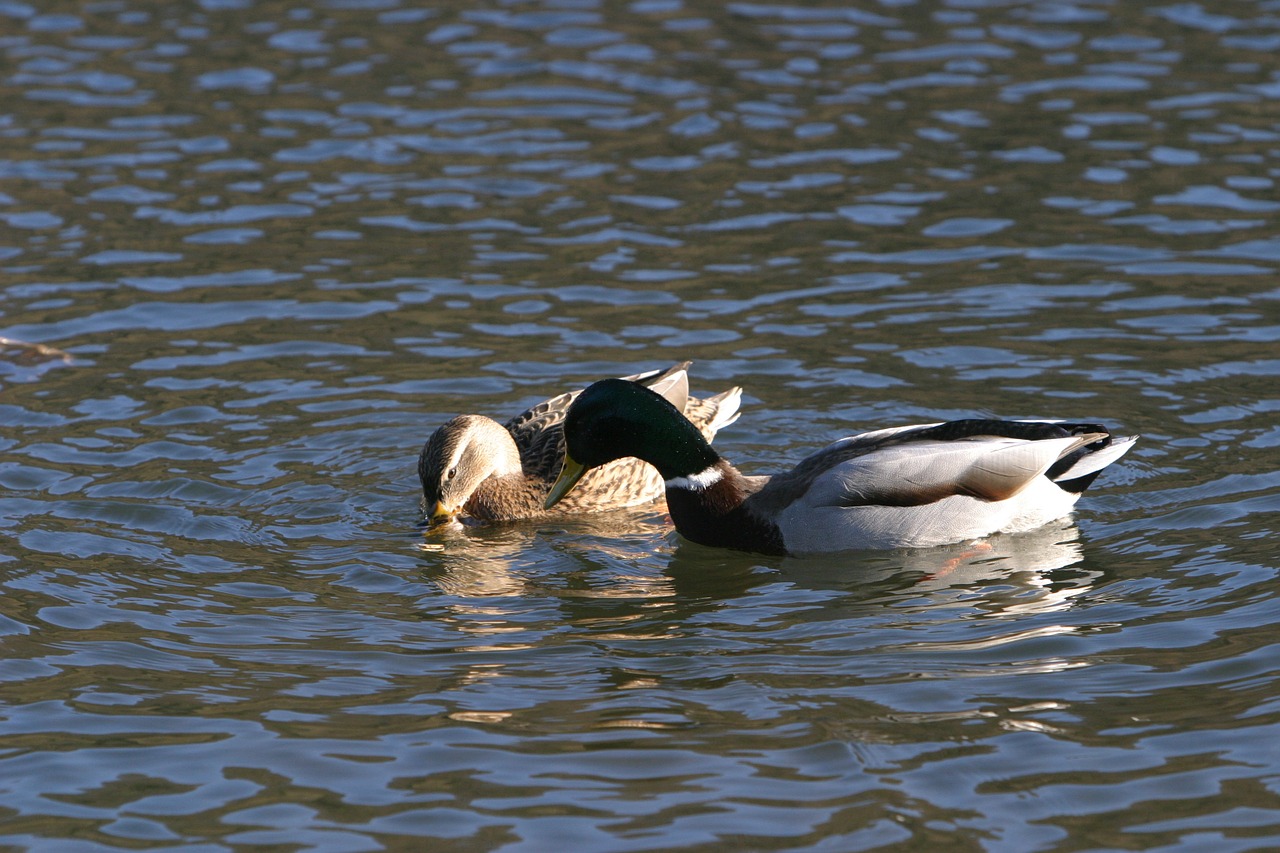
{"x": 467, "y": 559}
{"x": 624, "y": 557}
{"x": 1017, "y": 573}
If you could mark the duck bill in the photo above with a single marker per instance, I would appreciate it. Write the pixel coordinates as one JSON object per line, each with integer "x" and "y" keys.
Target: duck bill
{"x": 440, "y": 514}
{"x": 570, "y": 474}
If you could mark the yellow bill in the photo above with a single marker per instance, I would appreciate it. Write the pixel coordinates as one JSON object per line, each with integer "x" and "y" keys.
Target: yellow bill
{"x": 570, "y": 474}
{"x": 439, "y": 514}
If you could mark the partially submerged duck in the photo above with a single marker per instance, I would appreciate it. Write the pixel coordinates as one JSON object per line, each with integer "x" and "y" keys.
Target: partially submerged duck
{"x": 497, "y": 472}
{"x": 910, "y": 486}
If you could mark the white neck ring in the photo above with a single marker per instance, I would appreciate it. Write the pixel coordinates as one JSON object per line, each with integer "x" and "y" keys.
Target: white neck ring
{"x": 698, "y": 482}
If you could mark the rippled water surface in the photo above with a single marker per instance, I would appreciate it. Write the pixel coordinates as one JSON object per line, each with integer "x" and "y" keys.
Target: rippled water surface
{"x": 254, "y": 252}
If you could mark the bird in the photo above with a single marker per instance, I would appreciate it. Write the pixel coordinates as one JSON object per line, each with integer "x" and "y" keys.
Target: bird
{"x": 476, "y": 467}
{"x": 902, "y": 487}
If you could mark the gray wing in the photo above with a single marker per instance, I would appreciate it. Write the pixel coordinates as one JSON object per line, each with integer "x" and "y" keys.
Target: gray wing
{"x": 915, "y": 465}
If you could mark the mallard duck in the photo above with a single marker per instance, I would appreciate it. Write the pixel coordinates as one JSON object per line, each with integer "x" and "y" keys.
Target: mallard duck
{"x": 497, "y": 472}
{"x": 909, "y": 486}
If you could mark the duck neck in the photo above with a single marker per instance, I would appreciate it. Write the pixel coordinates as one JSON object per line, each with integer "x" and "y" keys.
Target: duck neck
{"x": 709, "y": 507}
{"x": 680, "y": 453}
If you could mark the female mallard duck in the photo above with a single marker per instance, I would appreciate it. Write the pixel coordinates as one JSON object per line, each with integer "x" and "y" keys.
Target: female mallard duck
{"x": 498, "y": 472}
{"x": 911, "y": 486}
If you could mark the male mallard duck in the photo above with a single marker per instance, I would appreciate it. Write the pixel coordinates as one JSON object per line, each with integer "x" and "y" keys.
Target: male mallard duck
{"x": 498, "y": 472}
{"x": 911, "y": 486}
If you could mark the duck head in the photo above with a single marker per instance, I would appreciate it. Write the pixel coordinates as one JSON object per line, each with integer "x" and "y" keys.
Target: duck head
{"x": 614, "y": 419}
{"x": 457, "y": 458}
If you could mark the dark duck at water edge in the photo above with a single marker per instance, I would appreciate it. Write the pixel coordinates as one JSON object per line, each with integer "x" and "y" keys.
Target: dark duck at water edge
{"x": 474, "y": 466}
{"x": 909, "y": 486}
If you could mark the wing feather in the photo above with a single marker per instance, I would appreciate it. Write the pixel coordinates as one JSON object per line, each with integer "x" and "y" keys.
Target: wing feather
{"x": 914, "y": 466}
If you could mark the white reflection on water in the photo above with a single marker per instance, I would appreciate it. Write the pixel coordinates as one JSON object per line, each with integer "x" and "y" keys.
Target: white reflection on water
{"x": 1023, "y": 563}
{"x": 1010, "y": 574}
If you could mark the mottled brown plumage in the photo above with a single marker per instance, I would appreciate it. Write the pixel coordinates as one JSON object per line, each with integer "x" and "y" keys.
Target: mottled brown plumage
{"x": 475, "y": 466}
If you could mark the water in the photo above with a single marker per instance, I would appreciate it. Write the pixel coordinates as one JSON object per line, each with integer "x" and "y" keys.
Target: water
{"x": 254, "y": 252}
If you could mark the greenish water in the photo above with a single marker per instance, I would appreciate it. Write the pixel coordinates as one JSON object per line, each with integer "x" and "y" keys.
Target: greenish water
{"x": 279, "y": 243}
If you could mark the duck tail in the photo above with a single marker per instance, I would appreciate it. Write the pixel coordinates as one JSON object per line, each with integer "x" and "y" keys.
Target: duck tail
{"x": 715, "y": 413}
{"x": 1076, "y": 471}
{"x": 672, "y": 383}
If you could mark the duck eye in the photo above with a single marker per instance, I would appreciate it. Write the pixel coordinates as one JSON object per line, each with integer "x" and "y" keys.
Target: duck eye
{"x": 453, "y": 472}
